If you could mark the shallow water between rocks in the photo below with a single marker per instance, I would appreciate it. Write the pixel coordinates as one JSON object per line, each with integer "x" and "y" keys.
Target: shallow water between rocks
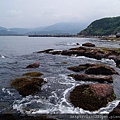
{"x": 16, "y": 52}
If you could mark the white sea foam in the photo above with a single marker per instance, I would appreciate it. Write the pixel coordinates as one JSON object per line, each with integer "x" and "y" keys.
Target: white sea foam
{"x": 58, "y": 104}
{"x": 108, "y": 61}
{"x": 4, "y": 90}
{"x": 2, "y": 56}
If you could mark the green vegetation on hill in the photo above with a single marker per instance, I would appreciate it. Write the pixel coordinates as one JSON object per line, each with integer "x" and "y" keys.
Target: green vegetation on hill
{"x": 104, "y": 26}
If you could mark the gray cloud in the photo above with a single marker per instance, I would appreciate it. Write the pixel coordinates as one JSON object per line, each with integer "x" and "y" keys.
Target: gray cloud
{"x": 36, "y": 13}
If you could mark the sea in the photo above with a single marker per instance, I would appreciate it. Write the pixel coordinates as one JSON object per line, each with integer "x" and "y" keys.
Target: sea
{"x": 16, "y": 52}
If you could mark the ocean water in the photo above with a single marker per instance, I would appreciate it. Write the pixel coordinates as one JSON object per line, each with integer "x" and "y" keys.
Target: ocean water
{"x": 16, "y": 52}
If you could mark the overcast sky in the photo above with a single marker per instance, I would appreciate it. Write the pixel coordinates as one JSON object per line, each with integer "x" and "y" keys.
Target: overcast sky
{"x": 36, "y": 13}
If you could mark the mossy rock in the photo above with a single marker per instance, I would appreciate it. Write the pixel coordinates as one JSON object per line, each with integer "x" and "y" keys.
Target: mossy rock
{"x": 33, "y": 74}
{"x": 92, "y": 96}
{"x": 27, "y": 86}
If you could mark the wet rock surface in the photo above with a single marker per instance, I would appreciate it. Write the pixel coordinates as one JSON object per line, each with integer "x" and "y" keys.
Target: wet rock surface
{"x": 98, "y": 78}
{"x": 34, "y": 65}
{"x": 92, "y": 96}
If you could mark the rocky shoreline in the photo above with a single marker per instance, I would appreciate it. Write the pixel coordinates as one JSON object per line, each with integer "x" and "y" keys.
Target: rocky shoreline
{"x": 87, "y": 96}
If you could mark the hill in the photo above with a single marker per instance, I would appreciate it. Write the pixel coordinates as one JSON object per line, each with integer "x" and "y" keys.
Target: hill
{"x": 58, "y": 28}
{"x": 104, "y": 26}
{"x": 5, "y": 31}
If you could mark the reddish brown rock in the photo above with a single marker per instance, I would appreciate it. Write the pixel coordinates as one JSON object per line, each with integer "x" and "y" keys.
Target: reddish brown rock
{"x": 88, "y": 44}
{"x": 92, "y": 96}
{"x": 99, "y": 78}
{"x": 34, "y": 65}
{"x": 100, "y": 69}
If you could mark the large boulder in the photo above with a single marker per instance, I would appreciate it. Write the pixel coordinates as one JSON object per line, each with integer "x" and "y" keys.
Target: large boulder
{"x": 27, "y": 86}
{"x": 99, "y": 78}
{"x": 100, "y": 69}
{"x": 92, "y": 96}
{"x": 34, "y": 65}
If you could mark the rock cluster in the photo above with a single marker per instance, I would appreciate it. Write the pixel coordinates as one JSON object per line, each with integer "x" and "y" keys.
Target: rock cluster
{"x": 92, "y": 96}
{"x": 89, "y": 50}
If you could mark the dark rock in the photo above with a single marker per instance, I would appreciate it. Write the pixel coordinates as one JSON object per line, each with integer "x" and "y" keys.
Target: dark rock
{"x": 99, "y": 78}
{"x": 80, "y": 67}
{"x": 100, "y": 69}
{"x": 115, "y": 113}
{"x": 92, "y": 96}
{"x": 27, "y": 86}
{"x": 55, "y": 52}
{"x": 33, "y": 74}
{"x": 88, "y": 44}
{"x": 96, "y": 53}
{"x": 34, "y": 65}
{"x": 45, "y": 51}
{"x": 79, "y": 48}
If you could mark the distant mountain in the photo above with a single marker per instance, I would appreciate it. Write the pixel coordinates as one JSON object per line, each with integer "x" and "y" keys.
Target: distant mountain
{"x": 2, "y": 28}
{"x": 105, "y": 26}
{"x": 59, "y": 28}
{"x": 5, "y": 31}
